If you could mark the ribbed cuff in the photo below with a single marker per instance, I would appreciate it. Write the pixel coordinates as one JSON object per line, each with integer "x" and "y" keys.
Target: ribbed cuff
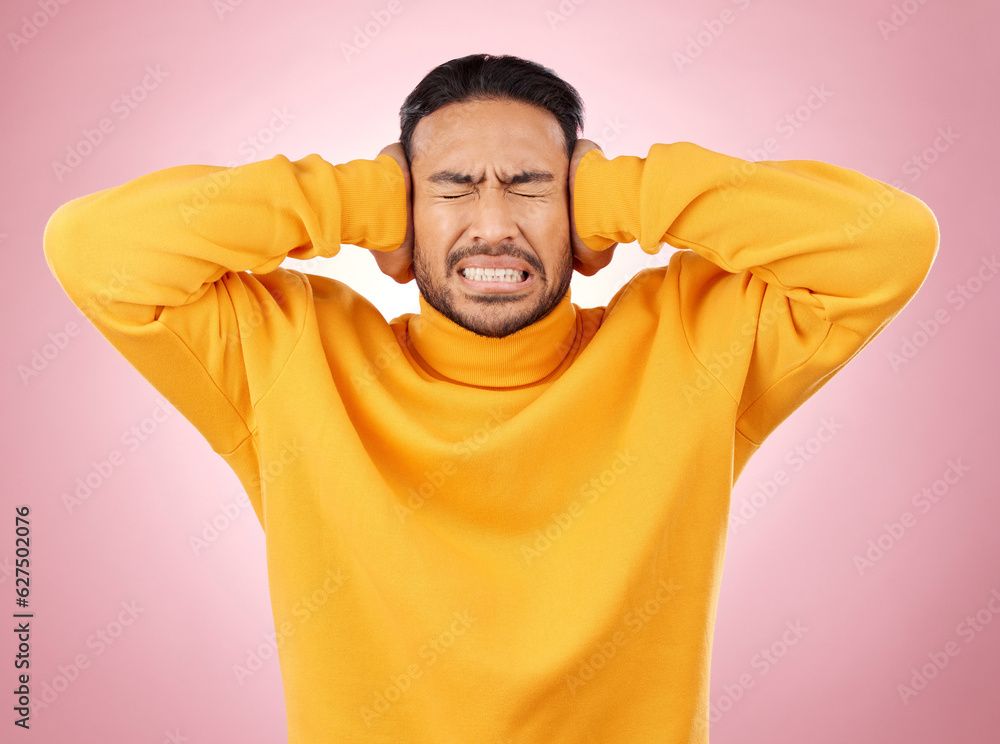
{"x": 372, "y": 203}
{"x": 606, "y": 199}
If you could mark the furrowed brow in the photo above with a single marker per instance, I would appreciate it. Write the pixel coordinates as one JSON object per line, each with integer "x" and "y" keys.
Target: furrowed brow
{"x": 532, "y": 177}
{"x": 466, "y": 179}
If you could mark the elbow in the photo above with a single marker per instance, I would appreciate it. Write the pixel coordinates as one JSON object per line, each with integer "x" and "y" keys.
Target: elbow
{"x": 64, "y": 244}
{"x": 71, "y": 228}
{"x": 908, "y": 239}
{"x": 900, "y": 246}
{"x": 56, "y": 237}
{"x": 920, "y": 237}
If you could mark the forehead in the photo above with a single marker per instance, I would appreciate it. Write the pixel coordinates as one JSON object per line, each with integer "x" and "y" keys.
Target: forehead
{"x": 504, "y": 134}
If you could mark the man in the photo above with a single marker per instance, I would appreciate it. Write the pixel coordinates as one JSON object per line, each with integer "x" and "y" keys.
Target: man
{"x": 513, "y": 509}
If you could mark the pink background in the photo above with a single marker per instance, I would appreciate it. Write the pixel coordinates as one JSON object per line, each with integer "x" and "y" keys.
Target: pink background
{"x": 169, "y": 675}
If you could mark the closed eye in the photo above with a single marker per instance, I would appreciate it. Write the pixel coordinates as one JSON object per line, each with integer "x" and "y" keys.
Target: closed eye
{"x": 526, "y": 196}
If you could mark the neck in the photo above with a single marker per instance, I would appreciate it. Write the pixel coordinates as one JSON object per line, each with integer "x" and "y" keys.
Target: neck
{"x": 527, "y": 356}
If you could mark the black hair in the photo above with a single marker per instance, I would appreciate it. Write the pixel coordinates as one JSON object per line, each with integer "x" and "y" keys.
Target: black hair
{"x": 503, "y": 77}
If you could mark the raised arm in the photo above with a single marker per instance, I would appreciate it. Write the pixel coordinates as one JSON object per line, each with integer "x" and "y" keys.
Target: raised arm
{"x": 798, "y": 263}
{"x": 160, "y": 266}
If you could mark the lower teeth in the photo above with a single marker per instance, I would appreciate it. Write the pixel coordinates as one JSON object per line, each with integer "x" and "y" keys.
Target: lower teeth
{"x": 489, "y": 279}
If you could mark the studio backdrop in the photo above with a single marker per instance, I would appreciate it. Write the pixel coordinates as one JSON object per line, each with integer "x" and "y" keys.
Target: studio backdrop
{"x": 861, "y": 587}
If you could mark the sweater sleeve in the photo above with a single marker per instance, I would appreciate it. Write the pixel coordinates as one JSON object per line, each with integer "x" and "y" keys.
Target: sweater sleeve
{"x": 177, "y": 270}
{"x": 786, "y": 269}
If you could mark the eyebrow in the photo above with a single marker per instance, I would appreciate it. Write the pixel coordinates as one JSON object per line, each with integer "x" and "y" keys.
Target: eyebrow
{"x": 447, "y": 176}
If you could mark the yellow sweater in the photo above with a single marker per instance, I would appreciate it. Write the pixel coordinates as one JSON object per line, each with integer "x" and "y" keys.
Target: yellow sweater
{"x": 474, "y": 540}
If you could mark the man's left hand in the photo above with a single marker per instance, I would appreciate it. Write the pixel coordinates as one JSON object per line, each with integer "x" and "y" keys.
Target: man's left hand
{"x": 588, "y": 262}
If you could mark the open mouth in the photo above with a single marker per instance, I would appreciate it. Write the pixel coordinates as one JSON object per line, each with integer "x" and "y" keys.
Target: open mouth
{"x": 512, "y": 276}
{"x": 496, "y": 280}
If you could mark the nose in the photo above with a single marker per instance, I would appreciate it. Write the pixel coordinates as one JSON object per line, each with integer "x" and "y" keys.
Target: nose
{"x": 493, "y": 220}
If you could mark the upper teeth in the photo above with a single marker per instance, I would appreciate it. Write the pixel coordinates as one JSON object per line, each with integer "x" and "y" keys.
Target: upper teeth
{"x": 493, "y": 275}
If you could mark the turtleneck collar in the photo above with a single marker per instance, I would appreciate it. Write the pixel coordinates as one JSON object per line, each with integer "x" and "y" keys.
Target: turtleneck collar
{"x": 457, "y": 354}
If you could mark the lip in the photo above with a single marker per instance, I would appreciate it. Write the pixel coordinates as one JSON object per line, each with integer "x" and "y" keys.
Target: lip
{"x": 497, "y": 287}
{"x": 494, "y": 262}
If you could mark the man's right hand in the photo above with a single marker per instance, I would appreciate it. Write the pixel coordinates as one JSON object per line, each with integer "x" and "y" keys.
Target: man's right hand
{"x": 398, "y": 263}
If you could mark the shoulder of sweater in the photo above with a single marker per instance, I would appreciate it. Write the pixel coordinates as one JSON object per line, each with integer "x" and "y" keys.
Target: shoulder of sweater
{"x": 327, "y": 295}
{"x": 644, "y": 283}
{"x": 684, "y": 273}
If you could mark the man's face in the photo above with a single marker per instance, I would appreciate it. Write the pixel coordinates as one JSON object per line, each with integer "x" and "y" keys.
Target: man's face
{"x": 490, "y": 190}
